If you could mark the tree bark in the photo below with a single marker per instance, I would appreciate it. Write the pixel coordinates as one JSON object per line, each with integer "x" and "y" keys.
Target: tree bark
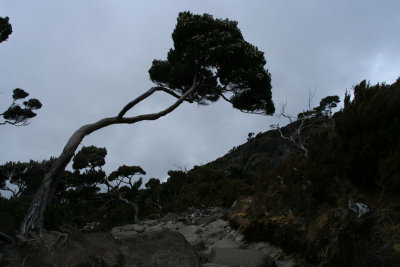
{"x": 34, "y": 218}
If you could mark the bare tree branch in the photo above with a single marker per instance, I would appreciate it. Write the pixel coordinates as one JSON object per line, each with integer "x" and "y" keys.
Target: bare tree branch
{"x": 144, "y": 96}
{"x": 310, "y": 97}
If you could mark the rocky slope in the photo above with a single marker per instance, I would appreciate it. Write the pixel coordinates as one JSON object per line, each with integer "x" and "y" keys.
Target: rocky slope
{"x": 215, "y": 242}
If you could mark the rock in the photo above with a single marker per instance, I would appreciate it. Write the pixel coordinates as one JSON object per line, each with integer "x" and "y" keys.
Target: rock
{"x": 218, "y": 224}
{"x": 190, "y": 233}
{"x": 90, "y": 227}
{"x": 214, "y": 240}
{"x": 226, "y": 243}
{"x": 213, "y": 265}
{"x": 216, "y": 230}
{"x": 80, "y": 249}
{"x": 235, "y": 257}
{"x": 156, "y": 227}
{"x": 154, "y": 216}
{"x": 138, "y": 228}
{"x": 129, "y": 227}
{"x": 207, "y": 219}
{"x": 198, "y": 245}
{"x": 289, "y": 263}
{"x": 184, "y": 219}
{"x": 123, "y": 234}
{"x": 210, "y": 241}
{"x": 149, "y": 222}
{"x": 173, "y": 217}
{"x": 173, "y": 226}
{"x": 158, "y": 248}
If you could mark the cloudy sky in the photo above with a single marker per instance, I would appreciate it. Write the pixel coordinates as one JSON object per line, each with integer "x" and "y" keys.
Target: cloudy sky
{"x": 84, "y": 60}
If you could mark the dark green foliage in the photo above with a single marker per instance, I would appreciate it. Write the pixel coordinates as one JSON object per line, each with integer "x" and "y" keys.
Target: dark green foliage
{"x": 153, "y": 183}
{"x": 87, "y": 164}
{"x": 19, "y": 94}
{"x": 5, "y": 29}
{"x": 369, "y": 141}
{"x": 80, "y": 200}
{"x": 23, "y": 179}
{"x": 215, "y": 52}
{"x": 323, "y": 111}
{"x": 353, "y": 157}
{"x": 89, "y": 157}
{"x": 206, "y": 185}
{"x": 126, "y": 172}
{"x": 121, "y": 180}
{"x": 19, "y": 114}
{"x": 298, "y": 203}
{"x": 176, "y": 183}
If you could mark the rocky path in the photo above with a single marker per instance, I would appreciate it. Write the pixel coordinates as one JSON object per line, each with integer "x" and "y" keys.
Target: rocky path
{"x": 216, "y": 244}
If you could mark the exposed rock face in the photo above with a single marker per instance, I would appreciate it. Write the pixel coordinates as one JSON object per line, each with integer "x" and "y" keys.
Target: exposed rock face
{"x": 236, "y": 257}
{"x": 158, "y": 248}
{"x": 152, "y": 248}
{"x": 216, "y": 243}
{"x": 200, "y": 239}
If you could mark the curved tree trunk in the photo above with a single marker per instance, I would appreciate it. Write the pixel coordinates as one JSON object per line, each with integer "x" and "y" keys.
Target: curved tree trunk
{"x": 34, "y": 218}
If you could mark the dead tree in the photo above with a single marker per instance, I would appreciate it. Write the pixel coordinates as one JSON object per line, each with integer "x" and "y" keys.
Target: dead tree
{"x": 310, "y": 118}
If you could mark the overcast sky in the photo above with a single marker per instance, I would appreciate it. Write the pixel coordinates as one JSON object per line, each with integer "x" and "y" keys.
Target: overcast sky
{"x": 84, "y": 60}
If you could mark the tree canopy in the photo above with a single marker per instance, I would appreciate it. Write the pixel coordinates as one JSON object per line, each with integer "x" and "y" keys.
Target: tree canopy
{"x": 224, "y": 64}
{"x": 5, "y": 29}
{"x": 17, "y": 114}
{"x": 210, "y": 59}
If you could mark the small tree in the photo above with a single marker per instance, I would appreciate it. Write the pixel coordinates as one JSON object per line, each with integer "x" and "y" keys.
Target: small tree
{"x": 154, "y": 188}
{"x": 17, "y": 114}
{"x": 210, "y": 60}
{"x": 124, "y": 177}
{"x": 22, "y": 178}
{"x": 88, "y": 172}
{"x": 120, "y": 181}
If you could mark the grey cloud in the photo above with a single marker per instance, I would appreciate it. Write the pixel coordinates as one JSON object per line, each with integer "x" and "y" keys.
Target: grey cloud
{"x": 85, "y": 59}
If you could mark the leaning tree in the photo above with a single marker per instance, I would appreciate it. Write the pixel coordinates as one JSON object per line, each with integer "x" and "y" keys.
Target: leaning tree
{"x": 210, "y": 60}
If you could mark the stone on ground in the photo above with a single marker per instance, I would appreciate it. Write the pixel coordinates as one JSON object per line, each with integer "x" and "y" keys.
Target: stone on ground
{"x": 190, "y": 233}
{"x": 235, "y": 257}
{"x": 158, "y": 248}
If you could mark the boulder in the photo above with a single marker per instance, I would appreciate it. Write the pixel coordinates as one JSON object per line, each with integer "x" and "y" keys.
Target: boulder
{"x": 129, "y": 227}
{"x": 158, "y": 248}
{"x": 221, "y": 224}
{"x": 88, "y": 249}
{"x": 173, "y": 225}
{"x": 289, "y": 263}
{"x": 149, "y": 222}
{"x": 213, "y": 265}
{"x": 190, "y": 232}
{"x": 216, "y": 230}
{"x": 235, "y": 257}
{"x": 207, "y": 219}
{"x": 123, "y": 234}
{"x": 156, "y": 227}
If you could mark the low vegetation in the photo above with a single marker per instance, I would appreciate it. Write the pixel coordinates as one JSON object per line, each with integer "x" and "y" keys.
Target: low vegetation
{"x": 336, "y": 206}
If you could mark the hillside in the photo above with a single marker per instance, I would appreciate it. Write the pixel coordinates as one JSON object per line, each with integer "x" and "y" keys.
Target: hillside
{"x": 336, "y": 205}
